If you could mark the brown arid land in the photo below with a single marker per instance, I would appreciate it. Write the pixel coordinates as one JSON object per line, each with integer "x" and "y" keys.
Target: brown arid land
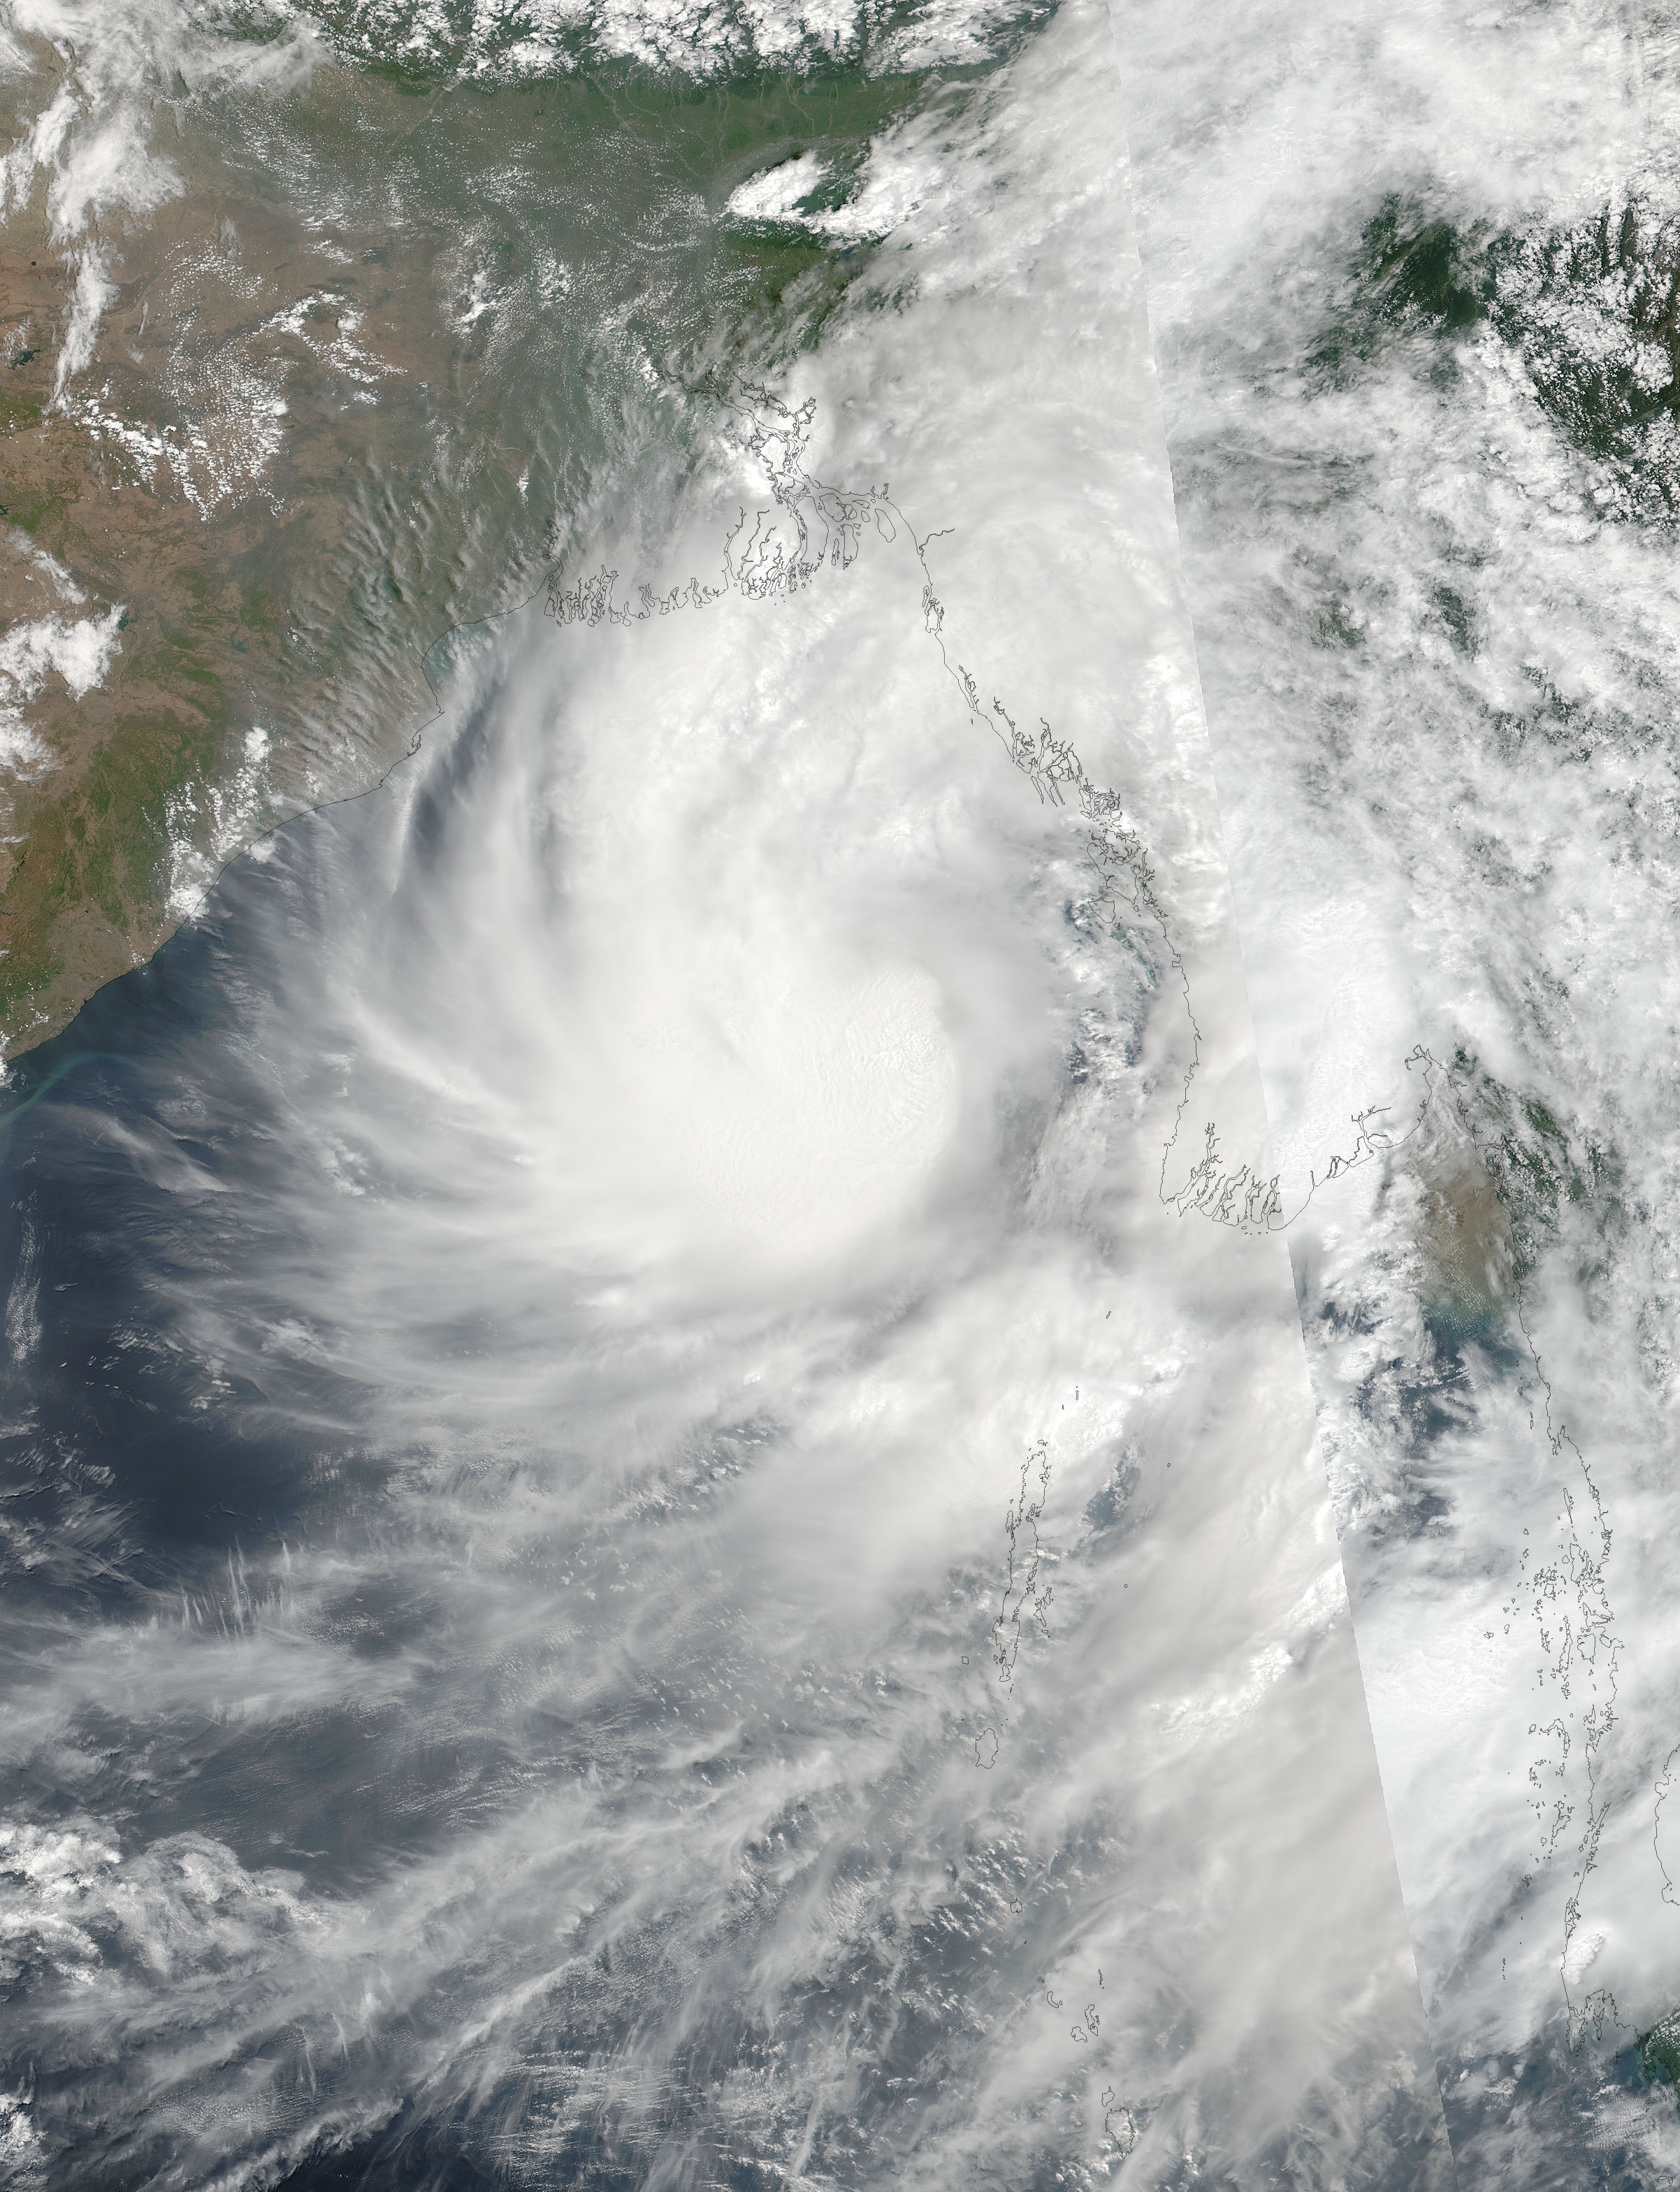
{"x": 204, "y": 478}
{"x": 263, "y": 445}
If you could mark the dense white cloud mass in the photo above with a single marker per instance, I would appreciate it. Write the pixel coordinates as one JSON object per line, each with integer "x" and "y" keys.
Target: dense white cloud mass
{"x": 76, "y": 650}
{"x": 1408, "y": 271}
{"x": 686, "y": 1543}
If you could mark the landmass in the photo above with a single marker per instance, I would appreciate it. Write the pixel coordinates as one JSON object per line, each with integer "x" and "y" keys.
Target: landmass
{"x": 263, "y": 443}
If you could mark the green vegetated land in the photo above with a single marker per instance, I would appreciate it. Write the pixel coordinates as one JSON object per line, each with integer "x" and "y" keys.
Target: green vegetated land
{"x": 1593, "y": 310}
